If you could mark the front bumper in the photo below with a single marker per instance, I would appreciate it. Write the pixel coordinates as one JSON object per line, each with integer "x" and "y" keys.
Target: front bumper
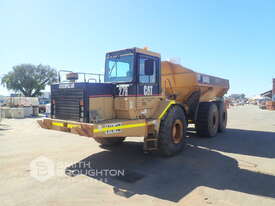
{"x": 116, "y": 128}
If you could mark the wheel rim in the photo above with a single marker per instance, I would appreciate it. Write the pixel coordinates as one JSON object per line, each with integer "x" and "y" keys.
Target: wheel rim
{"x": 177, "y": 132}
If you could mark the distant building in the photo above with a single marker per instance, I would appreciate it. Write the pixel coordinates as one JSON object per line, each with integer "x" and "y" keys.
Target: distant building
{"x": 237, "y": 96}
{"x": 267, "y": 94}
{"x": 271, "y": 93}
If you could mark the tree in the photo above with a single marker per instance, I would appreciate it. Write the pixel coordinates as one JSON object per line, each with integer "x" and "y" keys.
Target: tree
{"x": 29, "y": 79}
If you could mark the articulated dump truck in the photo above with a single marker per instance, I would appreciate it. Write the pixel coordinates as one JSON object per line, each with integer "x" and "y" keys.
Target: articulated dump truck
{"x": 141, "y": 96}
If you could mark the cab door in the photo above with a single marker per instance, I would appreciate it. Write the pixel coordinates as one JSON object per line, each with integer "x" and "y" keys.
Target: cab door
{"x": 148, "y": 85}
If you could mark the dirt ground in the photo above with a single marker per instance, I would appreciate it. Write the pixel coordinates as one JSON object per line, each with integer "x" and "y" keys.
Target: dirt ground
{"x": 233, "y": 168}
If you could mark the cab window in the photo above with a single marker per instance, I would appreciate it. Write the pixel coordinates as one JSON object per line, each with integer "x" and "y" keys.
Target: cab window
{"x": 119, "y": 68}
{"x": 146, "y": 78}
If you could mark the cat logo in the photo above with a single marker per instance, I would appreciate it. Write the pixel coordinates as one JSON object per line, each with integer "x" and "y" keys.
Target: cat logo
{"x": 148, "y": 90}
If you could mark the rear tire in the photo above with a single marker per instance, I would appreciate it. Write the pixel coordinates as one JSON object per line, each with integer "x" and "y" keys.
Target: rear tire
{"x": 222, "y": 117}
{"x": 208, "y": 119}
{"x": 172, "y": 132}
{"x": 110, "y": 141}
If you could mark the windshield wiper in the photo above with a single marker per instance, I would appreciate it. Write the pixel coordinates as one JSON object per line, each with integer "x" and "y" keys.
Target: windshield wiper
{"x": 115, "y": 65}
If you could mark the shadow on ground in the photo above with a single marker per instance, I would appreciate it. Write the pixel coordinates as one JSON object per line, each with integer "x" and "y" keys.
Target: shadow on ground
{"x": 246, "y": 142}
{"x": 173, "y": 178}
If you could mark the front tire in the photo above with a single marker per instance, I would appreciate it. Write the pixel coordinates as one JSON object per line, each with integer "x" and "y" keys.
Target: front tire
{"x": 110, "y": 141}
{"x": 172, "y": 132}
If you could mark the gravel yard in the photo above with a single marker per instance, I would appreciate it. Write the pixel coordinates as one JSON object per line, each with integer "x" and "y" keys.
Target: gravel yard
{"x": 234, "y": 168}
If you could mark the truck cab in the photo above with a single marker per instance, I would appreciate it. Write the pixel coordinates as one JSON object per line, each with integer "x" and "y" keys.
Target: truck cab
{"x": 136, "y": 72}
{"x": 130, "y": 90}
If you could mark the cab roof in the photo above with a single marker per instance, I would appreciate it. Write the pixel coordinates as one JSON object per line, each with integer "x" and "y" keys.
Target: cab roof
{"x": 134, "y": 50}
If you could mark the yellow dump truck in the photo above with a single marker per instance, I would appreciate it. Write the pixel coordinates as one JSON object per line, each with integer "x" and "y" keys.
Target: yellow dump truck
{"x": 141, "y": 96}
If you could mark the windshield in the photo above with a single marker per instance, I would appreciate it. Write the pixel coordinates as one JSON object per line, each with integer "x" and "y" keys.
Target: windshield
{"x": 119, "y": 68}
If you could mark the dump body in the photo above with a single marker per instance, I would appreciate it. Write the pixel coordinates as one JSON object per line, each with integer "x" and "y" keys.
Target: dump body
{"x": 182, "y": 82}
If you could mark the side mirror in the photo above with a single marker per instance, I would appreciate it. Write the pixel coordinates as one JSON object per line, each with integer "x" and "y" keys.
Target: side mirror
{"x": 149, "y": 67}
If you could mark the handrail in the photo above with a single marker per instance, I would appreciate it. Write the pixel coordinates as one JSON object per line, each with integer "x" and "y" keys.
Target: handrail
{"x": 81, "y": 73}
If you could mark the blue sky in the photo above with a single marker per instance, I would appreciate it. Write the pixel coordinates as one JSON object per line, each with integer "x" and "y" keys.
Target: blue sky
{"x": 232, "y": 39}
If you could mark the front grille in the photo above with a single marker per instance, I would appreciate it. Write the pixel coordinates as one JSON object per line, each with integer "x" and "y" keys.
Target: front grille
{"x": 67, "y": 103}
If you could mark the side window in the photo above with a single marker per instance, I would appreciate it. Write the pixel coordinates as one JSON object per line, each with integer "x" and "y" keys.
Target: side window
{"x": 146, "y": 78}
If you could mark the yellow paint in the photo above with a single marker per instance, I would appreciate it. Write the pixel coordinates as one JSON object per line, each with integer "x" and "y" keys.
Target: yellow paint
{"x": 105, "y": 128}
{"x": 73, "y": 125}
{"x": 166, "y": 108}
{"x": 58, "y": 124}
{"x": 120, "y": 127}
